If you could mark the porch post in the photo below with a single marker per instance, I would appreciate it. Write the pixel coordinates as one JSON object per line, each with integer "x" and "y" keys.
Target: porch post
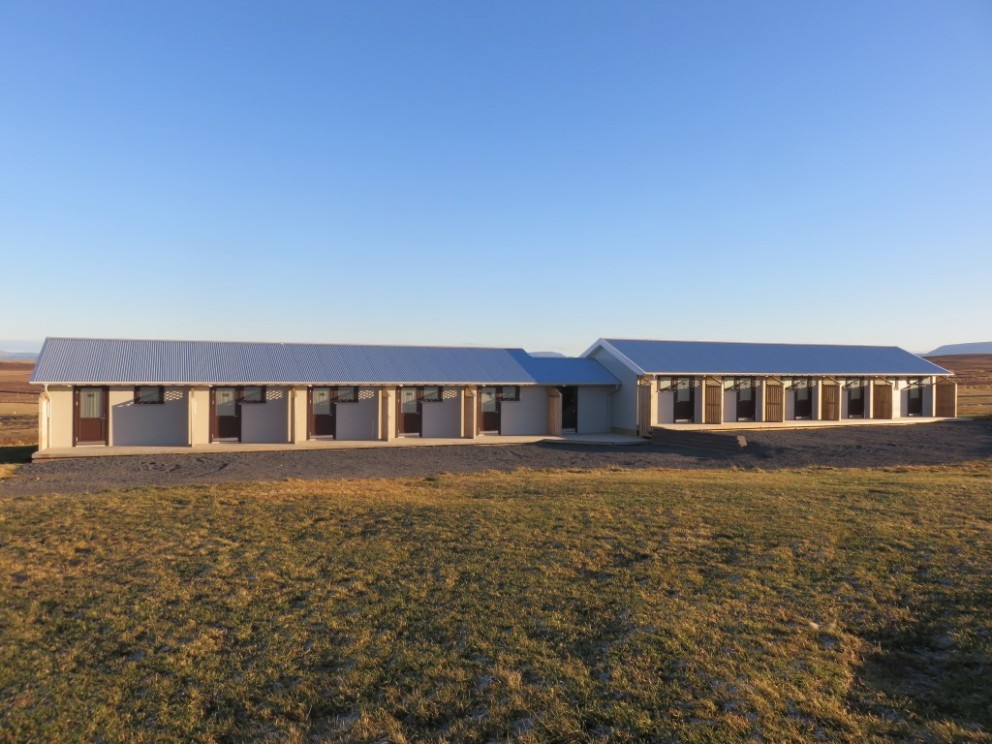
{"x": 554, "y": 412}
{"x": 469, "y": 400}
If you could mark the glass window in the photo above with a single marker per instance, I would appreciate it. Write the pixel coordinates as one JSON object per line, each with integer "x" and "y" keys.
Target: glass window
{"x": 408, "y": 400}
{"x": 487, "y": 399}
{"x": 683, "y": 389}
{"x": 510, "y": 392}
{"x": 149, "y": 394}
{"x": 226, "y": 402}
{"x": 253, "y": 394}
{"x": 322, "y": 401}
{"x": 347, "y": 394}
{"x": 433, "y": 394}
{"x": 91, "y": 403}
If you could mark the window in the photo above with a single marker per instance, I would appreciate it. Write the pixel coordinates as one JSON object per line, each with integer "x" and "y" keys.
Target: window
{"x": 253, "y": 394}
{"x": 149, "y": 394}
{"x": 347, "y": 394}
{"x": 432, "y": 394}
{"x": 509, "y": 392}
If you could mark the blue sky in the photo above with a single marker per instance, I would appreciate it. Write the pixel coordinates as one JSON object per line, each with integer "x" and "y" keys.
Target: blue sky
{"x": 533, "y": 174}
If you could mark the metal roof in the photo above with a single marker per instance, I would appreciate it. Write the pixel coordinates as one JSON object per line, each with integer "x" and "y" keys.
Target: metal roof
{"x": 129, "y": 361}
{"x": 704, "y": 357}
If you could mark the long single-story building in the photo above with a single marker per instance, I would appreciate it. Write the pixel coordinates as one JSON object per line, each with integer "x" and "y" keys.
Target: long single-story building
{"x": 671, "y": 383}
{"x": 121, "y": 393}
{"x": 139, "y": 393}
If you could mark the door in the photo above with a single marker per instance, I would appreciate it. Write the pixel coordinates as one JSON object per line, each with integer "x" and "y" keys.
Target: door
{"x": 711, "y": 402}
{"x": 410, "y": 418}
{"x": 685, "y": 400}
{"x": 947, "y": 395}
{"x": 745, "y": 398}
{"x": 831, "y": 402}
{"x": 773, "y": 402}
{"x": 914, "y": 403}
{"x": 881, "y": 395}
{"x": 226, "y": 406}
{"x": 803, "y": 393}
{"x": 90, "y": 415}
{"x": 489, "y": 410}
{"x": 569, "y": 408}
{"x": 856, "y": 400}
{"x": 323, "y": 413}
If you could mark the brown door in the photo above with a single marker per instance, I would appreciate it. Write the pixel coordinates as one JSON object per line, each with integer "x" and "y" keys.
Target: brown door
{"x": 745, "y": 398}
{"x": 685, "y": 400}
{"x": 856, "y": 400}
{"x": 323, "y": 412}
{"x": 489, "y": 420}
{"x": 881, "y": 404}
{"x": 947, "y": 393}
{"x": 225, "y": 404}
{"x": 569, "y": 408}
{"x": 410, "y": 415}
{"x": 773, "y": 402}
{"x": 711, "y": 403}
{"x": 90, "y": 415}
{"x": 831, "y": 402}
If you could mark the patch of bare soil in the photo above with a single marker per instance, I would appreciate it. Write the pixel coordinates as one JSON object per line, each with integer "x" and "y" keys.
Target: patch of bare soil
{"x": 850, "y": 446}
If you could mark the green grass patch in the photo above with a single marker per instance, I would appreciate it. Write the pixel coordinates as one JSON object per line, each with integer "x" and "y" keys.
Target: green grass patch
{"x": 815, "y": 605}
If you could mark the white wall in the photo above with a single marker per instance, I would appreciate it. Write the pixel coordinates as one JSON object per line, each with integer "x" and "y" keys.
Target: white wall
{"x": 149, "y": 424}
{"x": 623, "y": 402}
{"x": 594, "y": 409}
{"x": 266, "y": 422}
{"x": 443, "y": 419}
{"x": 527, "y": 416}
{"x": 358, "y": 421}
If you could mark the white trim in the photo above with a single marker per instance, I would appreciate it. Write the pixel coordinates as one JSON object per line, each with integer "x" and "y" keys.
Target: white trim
{"x": 609, "y": 348}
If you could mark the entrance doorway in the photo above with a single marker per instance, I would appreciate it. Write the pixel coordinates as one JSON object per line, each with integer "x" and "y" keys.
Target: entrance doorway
{"x": 323, "y": 413}
{"x": 90, "y": 415}
{"x": 745, "y": 398}
{"x": 914, "y": 403}
{"x": 225, "y": 404}
{"x": 684, "y": 395}
{"x": 803, "y": 393}
{"x": 489, "y": 420}
{"x": 569, "y": 408}
{"x": 856, "y": 398}
{"x": 410, "y": 418}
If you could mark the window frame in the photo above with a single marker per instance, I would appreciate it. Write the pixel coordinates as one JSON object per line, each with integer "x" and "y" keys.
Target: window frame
{"x": 243, "y": 400}
{"x": 338, "y": 389}
{"x": 501, "y": 394}
{"x": 159, "y": 395}
{"x": 424, "y": 398}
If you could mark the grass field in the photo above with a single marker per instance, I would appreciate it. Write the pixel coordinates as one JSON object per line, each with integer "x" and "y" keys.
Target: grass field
{"x": 707, "y": 606}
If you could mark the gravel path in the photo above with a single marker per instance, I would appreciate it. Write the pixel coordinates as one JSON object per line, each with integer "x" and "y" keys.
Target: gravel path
{"x": 853, "y": 446}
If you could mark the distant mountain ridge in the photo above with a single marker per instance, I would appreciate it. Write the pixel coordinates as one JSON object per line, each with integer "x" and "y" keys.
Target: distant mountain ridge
{"x": 981, "y": 347}
{"x": 18, "y": 356}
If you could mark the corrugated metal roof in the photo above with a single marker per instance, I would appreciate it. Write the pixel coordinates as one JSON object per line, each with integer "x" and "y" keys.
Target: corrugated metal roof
{"x": 129, "y": 361}
{"x": 704, "y": 357}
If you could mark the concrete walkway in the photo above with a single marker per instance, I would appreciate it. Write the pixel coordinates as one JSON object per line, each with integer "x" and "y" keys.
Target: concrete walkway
{"x": 98, "y": 450}
{"x": 815, "y": 424}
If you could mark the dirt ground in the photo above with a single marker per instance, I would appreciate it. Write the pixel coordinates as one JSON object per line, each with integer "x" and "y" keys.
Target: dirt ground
{"x": 854, "y": 446}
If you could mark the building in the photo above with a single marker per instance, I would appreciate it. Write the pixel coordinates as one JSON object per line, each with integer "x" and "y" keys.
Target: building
{"x": 136, "y": 393}
{"x": 678, "y": 383}
{"x": 126, "y": 393}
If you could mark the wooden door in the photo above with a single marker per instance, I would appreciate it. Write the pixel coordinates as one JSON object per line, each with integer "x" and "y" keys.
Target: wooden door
{"x": 745, "y": 398}
{"x": 947, "y": 398}
{"x": 409, "y": 418}
{"x": 684, "y": 400}
{"x": 774, "y": 410}
{"x": 489, "y": 420}
{"x": 225, "y": 404}
{"x": 569, "y": 408}
{"x": 881, "y": 405}
{"x": 856, "y": 400}
{"x": 711, "y": 403}
{"x": 802, "y": 394}
{"x": 323, "y": 412}
{"x": 831, "y": 402}
{"x": 90, "y": 415}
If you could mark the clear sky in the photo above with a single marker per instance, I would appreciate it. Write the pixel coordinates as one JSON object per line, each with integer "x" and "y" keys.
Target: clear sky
{"x": 533, "y": 174}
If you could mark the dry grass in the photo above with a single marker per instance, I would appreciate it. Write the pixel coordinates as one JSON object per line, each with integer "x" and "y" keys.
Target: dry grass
{"x": 817, "y": 605}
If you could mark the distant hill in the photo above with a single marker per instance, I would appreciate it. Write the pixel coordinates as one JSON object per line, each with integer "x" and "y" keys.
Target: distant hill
{"x": 18, "y": 356}
{"x": 981, "y": 347}
{"x": 969, "y": 369}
